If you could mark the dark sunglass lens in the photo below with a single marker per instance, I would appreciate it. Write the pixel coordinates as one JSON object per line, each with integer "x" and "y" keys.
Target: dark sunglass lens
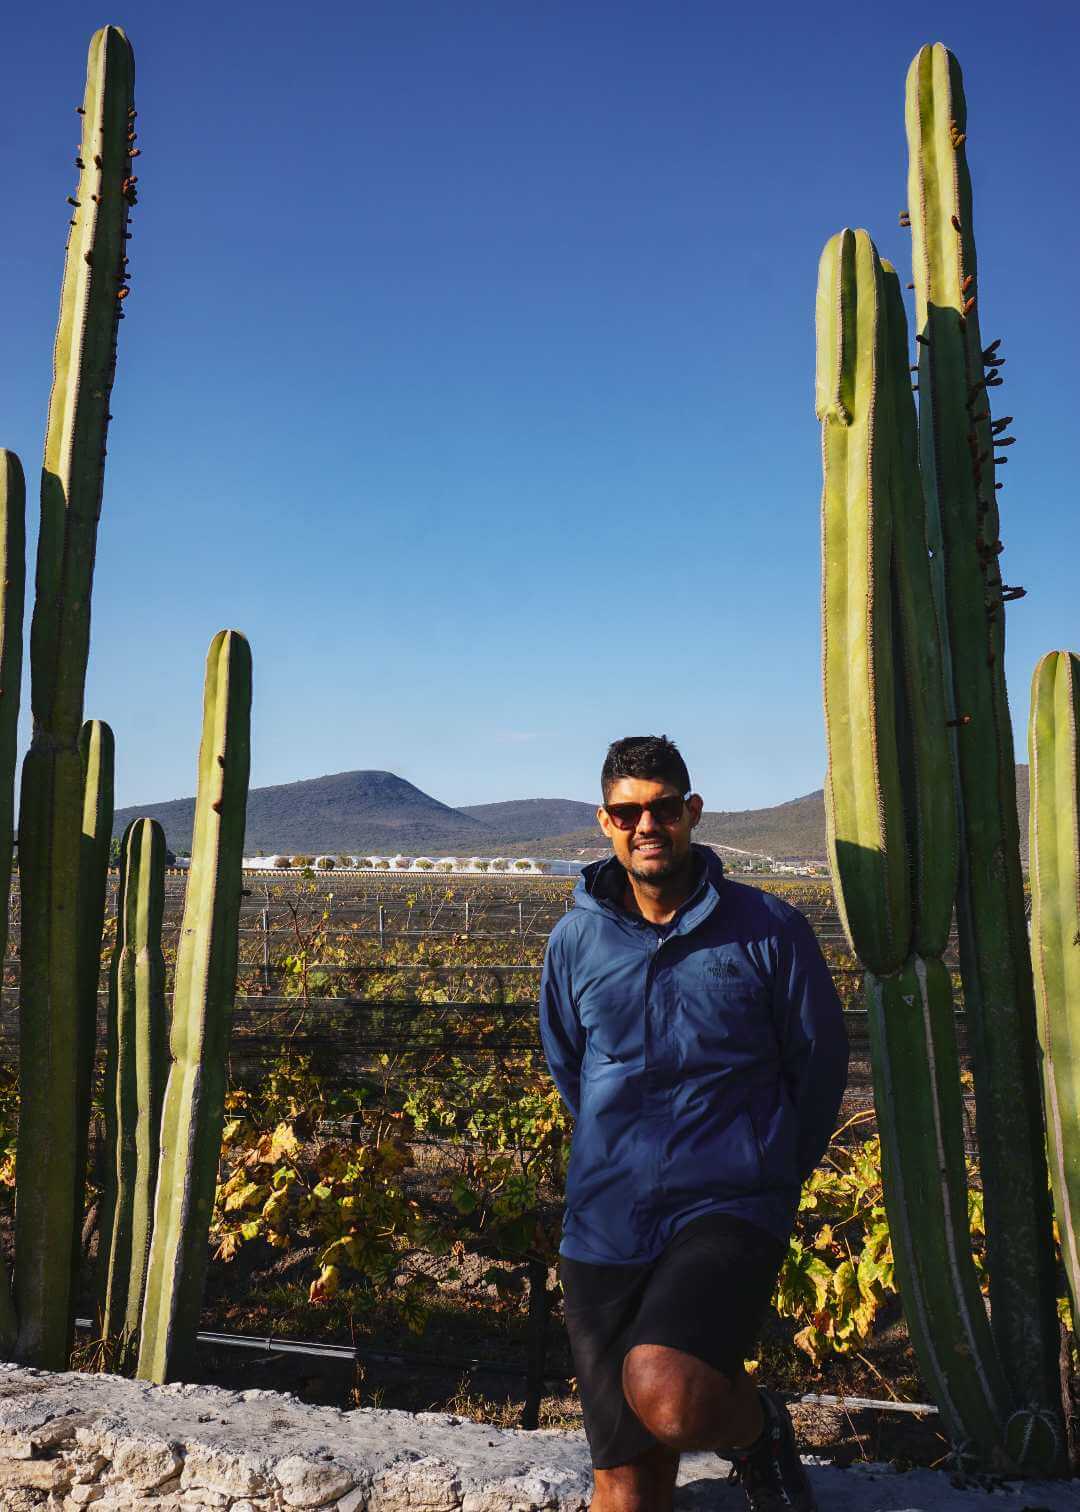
{"x": 666, "y": 810}
{"x": 625, "y": 815}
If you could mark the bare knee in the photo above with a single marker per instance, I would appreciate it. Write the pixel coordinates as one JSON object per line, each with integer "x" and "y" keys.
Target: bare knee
{"x": 682, "y": 1401}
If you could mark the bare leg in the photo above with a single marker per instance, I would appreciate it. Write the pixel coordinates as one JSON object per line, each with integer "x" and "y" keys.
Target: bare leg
{"x": 646, "y": 1484}
{"x": 686, "y": 1404}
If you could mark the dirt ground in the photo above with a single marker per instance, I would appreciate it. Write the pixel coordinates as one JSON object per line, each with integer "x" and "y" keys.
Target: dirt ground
{"x": 469, "y": 1322}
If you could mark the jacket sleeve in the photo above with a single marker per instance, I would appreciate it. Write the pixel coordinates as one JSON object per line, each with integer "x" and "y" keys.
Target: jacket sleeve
{"x": 561, "y": 1033}
{"x": 814, "y": 1040}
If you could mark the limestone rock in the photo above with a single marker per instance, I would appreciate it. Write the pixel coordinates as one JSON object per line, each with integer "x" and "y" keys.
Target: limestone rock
{"x": 310, "y": 1483}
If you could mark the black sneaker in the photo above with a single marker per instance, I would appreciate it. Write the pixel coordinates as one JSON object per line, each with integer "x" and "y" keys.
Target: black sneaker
{"x": 771, "y": 1472}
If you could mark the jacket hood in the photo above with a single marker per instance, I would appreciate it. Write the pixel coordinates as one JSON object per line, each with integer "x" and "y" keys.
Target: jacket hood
{"x": 602, "y": 882}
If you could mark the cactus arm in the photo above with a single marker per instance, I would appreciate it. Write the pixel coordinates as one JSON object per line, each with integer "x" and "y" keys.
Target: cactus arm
{"x": 151, "y": 1057}
{"x": 917, "y": 1095}
{"x": 957, "y": 451}
{"x": 12, "y": 593}
{"x": 886, "y": 736}
{"x": 52, "y": 784}
{"x": 12, "y": 588}
{"x": 205, "y": 984}
{"x": 866, "y": 815}
{"x": 1055, "y": 927}
{"x": 97, "y": 750}
{"x": 139, "y": 1079}
{"x": 84, "y": 364}
{"x": 111, "y": 1242}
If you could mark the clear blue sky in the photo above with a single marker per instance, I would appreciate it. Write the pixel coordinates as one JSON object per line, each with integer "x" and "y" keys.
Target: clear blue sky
{"x": 468, "y": 366}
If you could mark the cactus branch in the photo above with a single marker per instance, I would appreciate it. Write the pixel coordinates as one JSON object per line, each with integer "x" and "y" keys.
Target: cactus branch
{"x": 962, "y": 508}
{"x": 205, "y": 984}
{"x": 52, "y": 786}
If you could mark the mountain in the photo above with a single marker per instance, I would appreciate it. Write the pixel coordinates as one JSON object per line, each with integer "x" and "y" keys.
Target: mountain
{"x": 379, "y": 812}
{"x": 792, "y": 831}
{"x": 533, "y": 818}
{"x": 349, "y": 811}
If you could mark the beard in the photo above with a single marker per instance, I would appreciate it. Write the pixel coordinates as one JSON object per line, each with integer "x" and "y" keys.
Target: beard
{"x": 671, "y": 866}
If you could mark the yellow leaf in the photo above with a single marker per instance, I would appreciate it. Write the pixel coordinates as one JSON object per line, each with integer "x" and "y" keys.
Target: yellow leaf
{"x": 283, "y": 1142}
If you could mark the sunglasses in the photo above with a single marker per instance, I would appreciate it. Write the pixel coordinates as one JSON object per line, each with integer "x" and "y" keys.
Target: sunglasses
{"x": 627, "y": 816}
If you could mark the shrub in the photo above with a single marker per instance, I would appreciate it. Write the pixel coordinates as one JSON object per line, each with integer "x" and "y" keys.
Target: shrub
{"x": 423, "y": 864}
{"x": 302, "y": 860}
{"x": 346, "y": 861}
{"x": 522, "y": 865}
{"x": 284, "y": 862}
{"x": 325, "y": 863}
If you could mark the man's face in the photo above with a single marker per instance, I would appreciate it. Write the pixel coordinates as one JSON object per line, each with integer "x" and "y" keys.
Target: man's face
{"x": 652, "y": 851}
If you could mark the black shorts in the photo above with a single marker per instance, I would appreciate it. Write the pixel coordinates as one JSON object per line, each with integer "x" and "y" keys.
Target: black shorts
{"x": 706, "y": 1294}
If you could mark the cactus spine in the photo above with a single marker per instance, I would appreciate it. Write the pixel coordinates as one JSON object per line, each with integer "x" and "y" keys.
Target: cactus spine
{"x": 52, "y": 786}
{"x": 205, "y": 986}
{"x": 137, "y": 1080}
{"x": 1055, "y": 926}
{"x": 957, "y": 449}
{"x": 891, "y": 821}
{"x": 97, "y": 751}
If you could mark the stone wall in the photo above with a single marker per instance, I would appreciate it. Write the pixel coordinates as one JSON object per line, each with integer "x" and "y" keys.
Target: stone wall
{"x": 75, "y": 1441}
{"x": 72, "y": 1441}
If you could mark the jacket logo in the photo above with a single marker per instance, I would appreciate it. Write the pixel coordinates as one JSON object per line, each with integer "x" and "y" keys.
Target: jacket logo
{"x": 721, "y": 970}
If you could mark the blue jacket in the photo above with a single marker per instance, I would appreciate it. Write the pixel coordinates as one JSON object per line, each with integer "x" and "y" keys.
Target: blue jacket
{"x": 704, "y": 1061}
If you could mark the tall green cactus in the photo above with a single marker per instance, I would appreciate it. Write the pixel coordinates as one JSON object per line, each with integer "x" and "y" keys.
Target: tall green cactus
{"x": 137, "y": 1081}
{"x": 891, "y": 821}
{"x": 205, "y": 985}
{"x": 50, "y": 819}
{"x": 12, "y": 586}
{"x": 65, "y": 826}
{"x": 957, "y": 447}
{"x": 97, "y": 750}
{"x": 1055, "y": 928}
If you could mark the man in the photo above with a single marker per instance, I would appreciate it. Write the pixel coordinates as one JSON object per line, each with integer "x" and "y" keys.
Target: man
{"x": 693, "y": 1030}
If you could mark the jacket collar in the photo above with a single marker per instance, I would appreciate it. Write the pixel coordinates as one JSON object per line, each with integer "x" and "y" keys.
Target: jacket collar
{"x": 602, "y": 884}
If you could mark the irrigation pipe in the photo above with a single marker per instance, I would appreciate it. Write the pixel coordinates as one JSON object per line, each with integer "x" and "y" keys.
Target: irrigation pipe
{"x": 269, "y": 1344}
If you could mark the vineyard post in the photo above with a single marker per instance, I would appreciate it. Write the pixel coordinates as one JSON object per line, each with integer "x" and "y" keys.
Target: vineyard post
{"x": 382, "y": 927}
{"x": 466, "y": 915}
{"x": 265, "y": 923}
{"x": 521, "y": 919}
{"x": 536, "y": 1345}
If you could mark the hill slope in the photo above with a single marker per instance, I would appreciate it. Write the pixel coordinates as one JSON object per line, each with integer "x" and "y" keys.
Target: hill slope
{"x": 533, "y": 818}
{"x": 379, "y": 812}
{"x": 792, "y": 831}
{"x": 347, "y": 811}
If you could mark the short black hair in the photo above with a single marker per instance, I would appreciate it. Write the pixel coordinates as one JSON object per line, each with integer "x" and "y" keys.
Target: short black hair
{"x": 651, "y": 758}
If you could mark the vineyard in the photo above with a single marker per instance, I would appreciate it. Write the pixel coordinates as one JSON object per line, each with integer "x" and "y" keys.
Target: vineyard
{"x": 389, "y": 1190}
